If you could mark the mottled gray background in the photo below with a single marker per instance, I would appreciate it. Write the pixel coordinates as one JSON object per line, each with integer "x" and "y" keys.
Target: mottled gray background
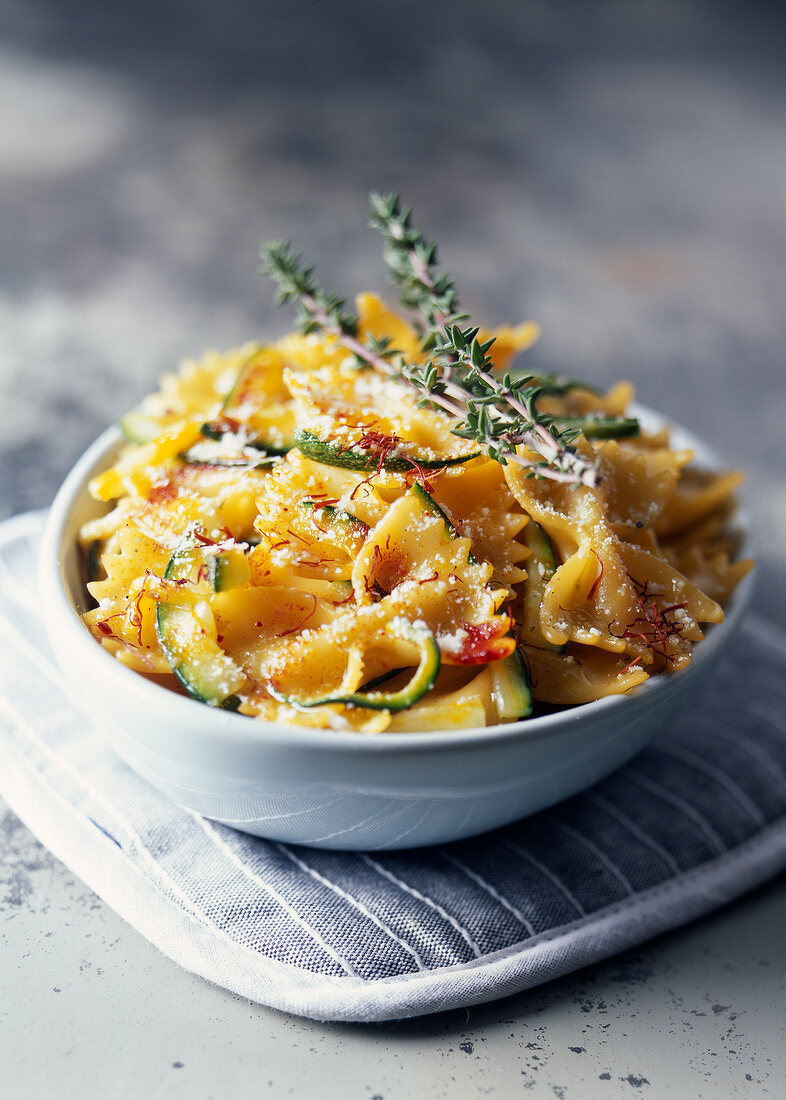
{"x": 616, "y": 171}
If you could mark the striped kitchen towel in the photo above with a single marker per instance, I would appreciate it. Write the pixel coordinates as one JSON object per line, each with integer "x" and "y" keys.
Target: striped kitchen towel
{"x": 691, "y": 823}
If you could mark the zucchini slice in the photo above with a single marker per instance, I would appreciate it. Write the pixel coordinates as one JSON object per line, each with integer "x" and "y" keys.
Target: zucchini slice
{"x": 187, "y": 638}
{"x": 258, "y": 405}
{"x": 541, "y": 566}
{"x": 354, "y": 458}
{"x": 430, "y": 505}
{"x": 511, "y": 689}
{"x": 337, "y": 527}
{"x": 464, "y": 708}
{"x": 601, "y": 427}
{"x": 422, "y": 681}
{"x": 140, "y": 427}
{"x": 271, "y": 431}
{"x": 227, "y": 569}
{"x": 218, "y": 455}
{"x": 93, "y": 565}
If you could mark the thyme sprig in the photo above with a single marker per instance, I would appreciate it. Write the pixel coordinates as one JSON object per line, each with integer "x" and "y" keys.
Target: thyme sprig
{"x": 457, "y": 375}
{"x": 318, "y": 311}
{"x": 411, "y": 261}
{"x": 461, "y": 362}
{"x": 518, "y": 421}
{"x": 429, "y": 295}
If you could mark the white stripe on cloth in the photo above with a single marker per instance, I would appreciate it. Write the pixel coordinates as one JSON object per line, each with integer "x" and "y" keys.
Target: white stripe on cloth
{"x": 741, "y": 741}
{"x": 340, "y": 892}
{"x": 407, "y": 889}
{"x": 678, "y": 803}
{"x": 679, "y": 752}
{"x": 489, "y": 889}
{"x": 598, "y": 852}
{"x": 536, "y": 863}
{"x": 235, "y": 859}
{"x": 634, "y": 829}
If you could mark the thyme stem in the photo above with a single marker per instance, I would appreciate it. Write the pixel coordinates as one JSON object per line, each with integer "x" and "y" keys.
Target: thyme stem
{"x": 464, "y": 366}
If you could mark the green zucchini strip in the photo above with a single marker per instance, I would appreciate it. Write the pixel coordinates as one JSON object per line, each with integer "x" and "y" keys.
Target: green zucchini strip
{"x": 406, "y": 697}
{"x": 427, "y": 501}
{"x": 215, "y": 430}
{"x": 601, "y": 427}
{"x": 212, "y": 430}
{"x": 196, "y": 659}
{"x": 94, "y": 567}
{"x": 198, "y": 456}
{"x": 226, "y": 570}
{"x": 511, "y": 690}
{"x": 335, "y": 518}
{"x": 353, "y": 458}
{"x": 139, "y": 427}
{"x": 541, "y": 566}
{"x": 431, "y": 506}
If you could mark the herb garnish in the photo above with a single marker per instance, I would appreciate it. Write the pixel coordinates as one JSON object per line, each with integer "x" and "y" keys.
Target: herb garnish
{"x": 457, "y": 374}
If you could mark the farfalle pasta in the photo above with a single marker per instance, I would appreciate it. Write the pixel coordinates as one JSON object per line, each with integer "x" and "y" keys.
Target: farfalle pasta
{"x": 294, "y": 536}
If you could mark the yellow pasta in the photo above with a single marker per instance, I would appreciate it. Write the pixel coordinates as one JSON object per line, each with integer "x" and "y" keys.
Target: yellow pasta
{"x": 297, "y": 538}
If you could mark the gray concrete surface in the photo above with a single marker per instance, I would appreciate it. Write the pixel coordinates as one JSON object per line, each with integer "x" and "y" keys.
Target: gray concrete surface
{"x": 615, "y": 170}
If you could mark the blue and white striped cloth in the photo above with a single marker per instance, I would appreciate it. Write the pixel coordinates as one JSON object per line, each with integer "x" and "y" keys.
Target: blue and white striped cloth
{"x": 691, "y": 823}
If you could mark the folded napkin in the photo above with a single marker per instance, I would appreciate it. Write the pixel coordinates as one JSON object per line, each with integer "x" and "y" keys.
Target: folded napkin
{"x": 692, "y": 822}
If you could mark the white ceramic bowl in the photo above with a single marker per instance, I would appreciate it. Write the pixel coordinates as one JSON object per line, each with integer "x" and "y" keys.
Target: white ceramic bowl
{"x": 339, "y": 789}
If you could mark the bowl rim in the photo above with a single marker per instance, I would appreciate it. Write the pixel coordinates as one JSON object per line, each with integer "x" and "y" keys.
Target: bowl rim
{"x": 65, "y": 620}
